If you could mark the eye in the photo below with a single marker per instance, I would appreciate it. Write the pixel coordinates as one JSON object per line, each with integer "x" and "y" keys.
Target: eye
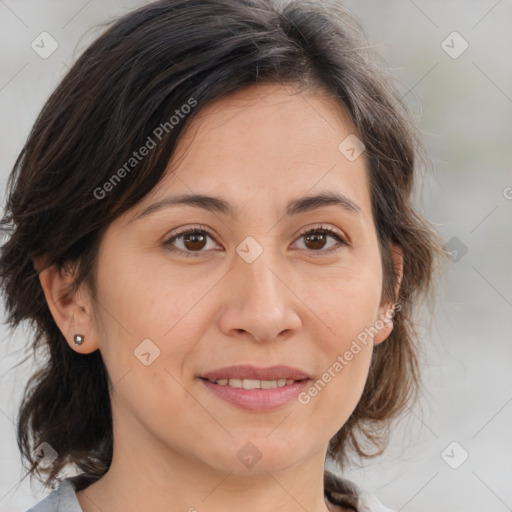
{"x": 317, "y": 237}
{"x": 194, "y": 239}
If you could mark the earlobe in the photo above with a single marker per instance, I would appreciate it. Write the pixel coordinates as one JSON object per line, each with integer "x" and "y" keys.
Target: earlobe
{"x": 71, "y": 311}
{"x": 384, "y": 327}
{"x": 387, "y": 311}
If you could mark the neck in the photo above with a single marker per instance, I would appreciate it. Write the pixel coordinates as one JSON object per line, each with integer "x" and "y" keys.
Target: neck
{"x": 146, "y": 475}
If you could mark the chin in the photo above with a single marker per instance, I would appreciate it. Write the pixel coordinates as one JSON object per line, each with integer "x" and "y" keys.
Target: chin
{"x": 260, "y": 455}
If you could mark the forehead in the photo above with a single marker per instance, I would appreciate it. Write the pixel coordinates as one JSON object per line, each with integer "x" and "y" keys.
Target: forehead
{"x": 266, "y": 143}
{"x": 269, "y": 120}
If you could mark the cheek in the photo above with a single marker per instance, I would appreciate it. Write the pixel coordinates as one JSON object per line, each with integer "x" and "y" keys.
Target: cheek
{"x": 143, "y": 299}
{"x": 334, "y": 395}
{"x": 146, "y": 298}
{"x": 348, "y": 310}
{"x": 346, "y": 302}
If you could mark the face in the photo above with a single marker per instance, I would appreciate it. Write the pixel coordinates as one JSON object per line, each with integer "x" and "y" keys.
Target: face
{"x": 263, "y": 279}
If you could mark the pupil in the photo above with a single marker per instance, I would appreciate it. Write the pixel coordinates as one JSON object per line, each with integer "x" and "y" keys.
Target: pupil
{"x": 315, "y": 238}
{"x": 193, "y": 238}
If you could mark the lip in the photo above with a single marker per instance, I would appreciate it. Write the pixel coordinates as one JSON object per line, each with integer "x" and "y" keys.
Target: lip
{"x": 251, "y": 372}
{"x": 257, "y": 400}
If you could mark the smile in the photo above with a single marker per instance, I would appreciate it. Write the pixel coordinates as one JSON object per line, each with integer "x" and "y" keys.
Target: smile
{"x": 256, "y": 389}
{"x": 254, "y": 383}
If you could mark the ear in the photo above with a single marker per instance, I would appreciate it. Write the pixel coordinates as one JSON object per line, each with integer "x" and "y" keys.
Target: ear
{"x": 386, "y": 311}
{"x": 73, "y": 312}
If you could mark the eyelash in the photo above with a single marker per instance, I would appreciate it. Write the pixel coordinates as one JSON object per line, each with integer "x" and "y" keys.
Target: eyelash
{"x": 202, "y": 229}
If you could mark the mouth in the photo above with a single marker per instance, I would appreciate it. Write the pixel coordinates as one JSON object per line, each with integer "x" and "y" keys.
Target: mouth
{"x": 251, "y": 373}
{"x": 256, "y": 389}
{"x": 254, "y": 383}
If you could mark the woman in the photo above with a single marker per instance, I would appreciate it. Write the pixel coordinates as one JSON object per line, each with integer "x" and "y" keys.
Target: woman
{"x": 210, "y": 229}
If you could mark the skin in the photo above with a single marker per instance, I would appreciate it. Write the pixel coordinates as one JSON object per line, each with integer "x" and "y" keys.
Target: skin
{"x": 176, "y": 442}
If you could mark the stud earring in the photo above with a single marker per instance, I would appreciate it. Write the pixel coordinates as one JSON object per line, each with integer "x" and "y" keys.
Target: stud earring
{"x": 79, "y": 339}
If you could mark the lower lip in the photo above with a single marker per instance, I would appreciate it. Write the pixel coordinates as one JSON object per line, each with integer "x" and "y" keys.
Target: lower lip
{"x": 257, "y": 399}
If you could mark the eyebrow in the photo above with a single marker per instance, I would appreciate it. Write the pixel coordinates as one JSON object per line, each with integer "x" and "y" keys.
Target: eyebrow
{"x": 220, "y": 205}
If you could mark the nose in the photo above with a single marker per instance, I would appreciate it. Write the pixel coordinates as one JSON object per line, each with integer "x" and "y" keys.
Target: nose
{"x": 259, "y": 302}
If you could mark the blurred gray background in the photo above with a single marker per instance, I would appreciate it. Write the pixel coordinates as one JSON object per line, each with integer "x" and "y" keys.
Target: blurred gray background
{"x": 452, "y": 62}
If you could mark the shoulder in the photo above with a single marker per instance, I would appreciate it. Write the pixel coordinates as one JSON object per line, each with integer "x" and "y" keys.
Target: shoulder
{"x": 347, "y": 495}
{"x": 62, "y": 499}
{"x": 339, "y": 491}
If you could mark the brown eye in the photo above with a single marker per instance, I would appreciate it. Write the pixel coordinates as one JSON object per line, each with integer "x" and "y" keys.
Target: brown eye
{"x": 317, "y": 238}
{"x": 194, "y": 241}
{"x": 189, "y": 242}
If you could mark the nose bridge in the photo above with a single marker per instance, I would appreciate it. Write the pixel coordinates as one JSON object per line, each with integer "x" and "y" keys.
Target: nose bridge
{"x": 257, "y": 263}
{"x": 259, "y": 302}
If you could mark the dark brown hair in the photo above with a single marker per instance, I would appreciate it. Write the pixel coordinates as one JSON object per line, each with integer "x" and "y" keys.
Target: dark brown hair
{"x": 132, "y": 80}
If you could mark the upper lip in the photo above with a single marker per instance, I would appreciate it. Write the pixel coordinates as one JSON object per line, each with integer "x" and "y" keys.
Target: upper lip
{"x": 251, "y": 372}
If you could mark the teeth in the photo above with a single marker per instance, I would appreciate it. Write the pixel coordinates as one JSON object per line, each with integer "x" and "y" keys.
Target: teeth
{"x": 236, "y": 383}
{"x": 254, "y": 383}
{"x": 251, "y": 384}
